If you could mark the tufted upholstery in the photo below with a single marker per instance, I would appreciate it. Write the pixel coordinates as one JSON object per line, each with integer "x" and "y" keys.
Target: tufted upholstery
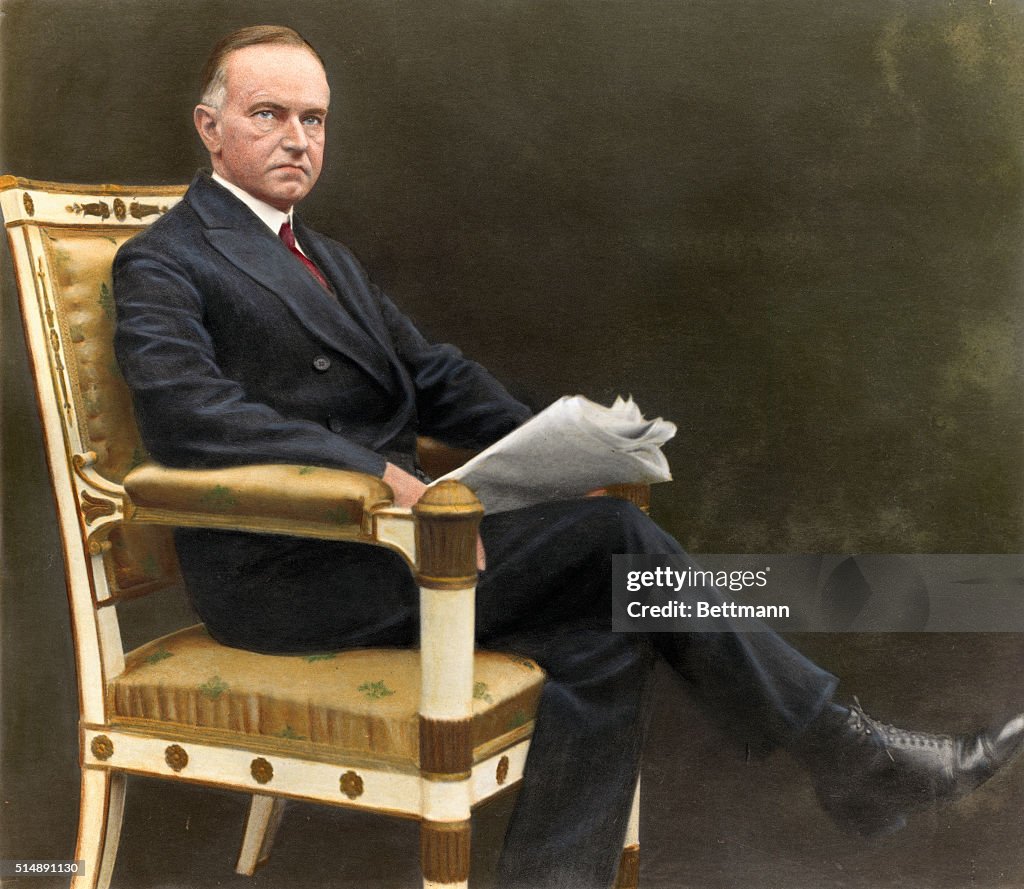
{"x": 348, "y": 705}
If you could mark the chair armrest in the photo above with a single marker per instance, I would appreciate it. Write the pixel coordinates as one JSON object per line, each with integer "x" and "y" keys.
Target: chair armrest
{"x": 303, "y": 501}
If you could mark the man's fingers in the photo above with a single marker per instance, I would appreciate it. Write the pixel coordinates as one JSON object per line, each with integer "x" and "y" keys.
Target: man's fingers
{"x": 406, "y": 488}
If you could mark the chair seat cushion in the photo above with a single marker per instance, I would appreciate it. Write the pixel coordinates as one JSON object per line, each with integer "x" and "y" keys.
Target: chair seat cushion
{"x": 359, "y": 704}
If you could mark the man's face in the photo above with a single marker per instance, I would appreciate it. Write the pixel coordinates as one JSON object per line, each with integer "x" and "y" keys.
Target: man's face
{"x": 268, "y": 135}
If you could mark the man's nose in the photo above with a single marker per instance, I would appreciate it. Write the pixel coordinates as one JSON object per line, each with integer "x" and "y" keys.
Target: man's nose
{"x": 294, "y": 138}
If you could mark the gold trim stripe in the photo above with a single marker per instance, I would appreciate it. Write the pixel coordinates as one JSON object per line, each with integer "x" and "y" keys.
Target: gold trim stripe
{"x": 447, "y": 583}
{"x": 86, "y": 227}
{"x": 254, "y": 744}
{"x": 151, "y": 728}
{"x": 256, "y": 523}
{"x": 8, "y": 181}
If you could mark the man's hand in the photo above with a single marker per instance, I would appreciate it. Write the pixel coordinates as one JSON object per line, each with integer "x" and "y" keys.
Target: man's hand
{"x": 408, "y": 489}
{"x": 481, "y": 556}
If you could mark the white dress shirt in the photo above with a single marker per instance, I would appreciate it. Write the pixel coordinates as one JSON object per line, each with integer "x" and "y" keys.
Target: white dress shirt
{"x": 271, "y": 216}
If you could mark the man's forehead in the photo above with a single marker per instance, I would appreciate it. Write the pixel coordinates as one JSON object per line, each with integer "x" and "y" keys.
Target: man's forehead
{"x": 272, "y": 69}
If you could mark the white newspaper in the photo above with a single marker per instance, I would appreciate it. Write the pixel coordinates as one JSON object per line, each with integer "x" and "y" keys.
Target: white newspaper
{"x": 567, "y": 450}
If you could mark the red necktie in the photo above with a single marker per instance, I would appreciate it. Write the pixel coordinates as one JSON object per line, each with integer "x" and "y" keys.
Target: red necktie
{"x": 288, "y": 236}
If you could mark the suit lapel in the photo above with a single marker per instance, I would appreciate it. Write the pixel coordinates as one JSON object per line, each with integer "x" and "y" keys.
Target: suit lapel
{"x": 367, "y": 316}
{"x": 245, "y": 242}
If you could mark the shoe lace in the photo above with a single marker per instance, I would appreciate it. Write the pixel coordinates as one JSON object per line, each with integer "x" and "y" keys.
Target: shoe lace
{"x": 891, "y": 734}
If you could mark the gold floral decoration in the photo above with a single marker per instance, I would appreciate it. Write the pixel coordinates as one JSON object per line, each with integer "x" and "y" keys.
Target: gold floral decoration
{"x": 95, "y": 507}
{"x": 141, "y": 211}
{"x": 176, "y": 757}
{"x": 262, "y": 771}
{"x": 102, "y": 747}
{"x": 351, "y": 785}
{"x": 96, "y": 208}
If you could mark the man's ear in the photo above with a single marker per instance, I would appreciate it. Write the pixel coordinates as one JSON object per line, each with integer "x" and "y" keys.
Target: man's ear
{"x": 207, "y": 121}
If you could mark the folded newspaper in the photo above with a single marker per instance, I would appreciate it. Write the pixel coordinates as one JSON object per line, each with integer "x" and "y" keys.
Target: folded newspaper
{"x": 567, "y": 450}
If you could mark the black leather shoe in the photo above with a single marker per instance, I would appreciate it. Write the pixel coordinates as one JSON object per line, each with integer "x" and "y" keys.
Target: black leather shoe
{"x": 869, "y": 776}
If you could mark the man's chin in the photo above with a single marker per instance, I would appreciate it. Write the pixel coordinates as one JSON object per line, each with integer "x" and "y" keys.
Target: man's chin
{"x": 283, "y": 193}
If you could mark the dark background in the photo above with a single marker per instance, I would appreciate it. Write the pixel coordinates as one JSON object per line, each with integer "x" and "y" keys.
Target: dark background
{"x": 795, "y": 228}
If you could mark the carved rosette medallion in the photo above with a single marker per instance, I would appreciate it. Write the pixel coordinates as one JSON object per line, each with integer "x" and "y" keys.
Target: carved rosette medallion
{"x": 501, "y": 773}
{"x": 120, "y": 211}
{"x": 176, "y": 757}
{"x": 30, "y": 205}
{"x": 262, "y": 771}
{"x": 102, "y": 748}
{"x": 351, "y": 785}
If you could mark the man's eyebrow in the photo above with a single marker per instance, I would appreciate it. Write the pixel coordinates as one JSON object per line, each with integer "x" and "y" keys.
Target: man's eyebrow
{"x": 277, "y": 106}
{"x": 266, "y": 103}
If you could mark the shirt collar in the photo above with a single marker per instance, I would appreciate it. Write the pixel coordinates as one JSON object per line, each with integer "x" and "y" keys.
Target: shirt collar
{"x": 271, "y": 216}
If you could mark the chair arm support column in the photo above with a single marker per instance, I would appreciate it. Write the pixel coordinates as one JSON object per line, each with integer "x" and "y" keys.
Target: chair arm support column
{"x": 637, "y": 493}
{"x": 447, "y": 519}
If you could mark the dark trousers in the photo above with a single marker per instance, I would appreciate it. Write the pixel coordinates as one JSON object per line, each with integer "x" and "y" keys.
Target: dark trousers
{"x": 546, "y": 594}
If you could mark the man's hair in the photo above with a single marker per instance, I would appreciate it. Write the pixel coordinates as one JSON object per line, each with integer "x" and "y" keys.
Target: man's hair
{"x": 213, "y": 83}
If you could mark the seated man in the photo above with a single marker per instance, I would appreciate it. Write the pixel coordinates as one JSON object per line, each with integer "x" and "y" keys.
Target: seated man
{"x": 248, "y": 338}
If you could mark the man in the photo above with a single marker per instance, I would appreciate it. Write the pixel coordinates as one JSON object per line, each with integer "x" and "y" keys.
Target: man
{"x": 248, "y": 338}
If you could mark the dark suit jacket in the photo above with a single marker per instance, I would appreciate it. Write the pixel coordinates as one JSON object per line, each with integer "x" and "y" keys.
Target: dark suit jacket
{"x": 235, "y": 354}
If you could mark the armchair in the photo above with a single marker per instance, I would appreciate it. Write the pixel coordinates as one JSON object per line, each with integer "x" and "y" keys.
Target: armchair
{"x": 426, "y": 733}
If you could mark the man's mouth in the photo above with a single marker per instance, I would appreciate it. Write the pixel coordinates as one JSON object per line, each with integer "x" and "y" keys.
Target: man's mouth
{"x": 294, "y": 167}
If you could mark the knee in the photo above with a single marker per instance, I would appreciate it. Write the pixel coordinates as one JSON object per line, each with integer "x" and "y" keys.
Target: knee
{"x": 612, "y": 510}
{"x": 598, "y": 658}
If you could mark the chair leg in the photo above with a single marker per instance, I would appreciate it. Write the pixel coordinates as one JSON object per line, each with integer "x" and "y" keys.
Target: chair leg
{"x": 260, "y": 828}
{"x": 628, "y": 876}
{"x": 99, "y": 826}
{"x": 444, "y": 854}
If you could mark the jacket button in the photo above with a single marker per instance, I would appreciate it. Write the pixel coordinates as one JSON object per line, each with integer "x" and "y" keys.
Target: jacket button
{"x": 321, "y": 363}
{"x": 335, "y": 425}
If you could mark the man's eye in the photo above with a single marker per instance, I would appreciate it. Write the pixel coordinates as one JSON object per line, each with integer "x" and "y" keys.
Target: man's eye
{"x": 265, "y": 114}
{"x": 312, "y": 120}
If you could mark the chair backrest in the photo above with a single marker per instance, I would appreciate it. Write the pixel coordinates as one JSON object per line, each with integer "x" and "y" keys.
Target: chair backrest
{"x": 63, "y": 239}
